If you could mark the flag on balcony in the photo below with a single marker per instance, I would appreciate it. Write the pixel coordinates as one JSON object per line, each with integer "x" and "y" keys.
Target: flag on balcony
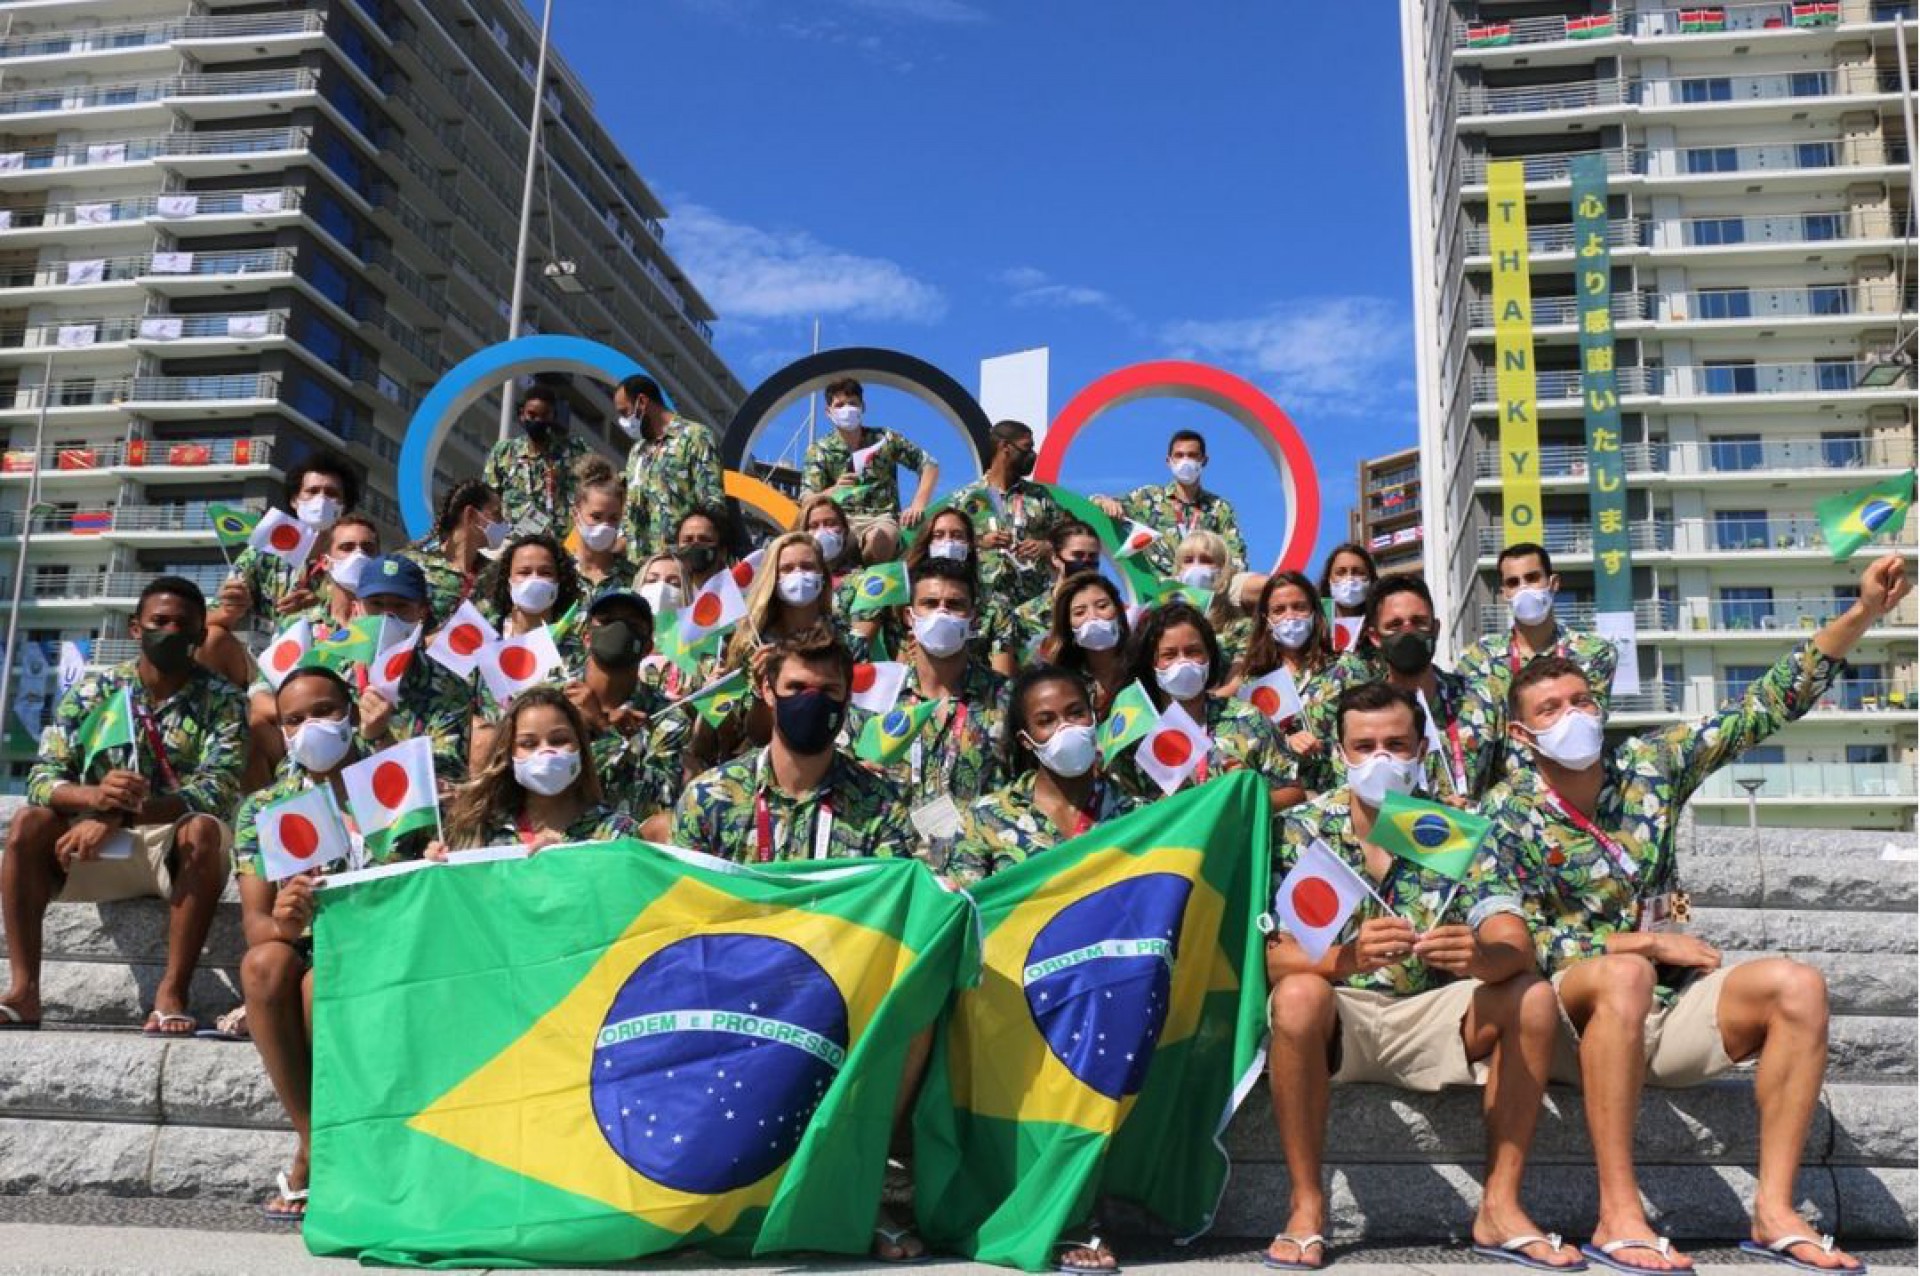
{"x": 234, "y": 527}
{"x": 1816, "y": 15}
{"x": 172, "y": 264}
{"x": 189, "y": 454}
{"x": 161, "y": 328}
{"x": 1595, "y": 27}
{"x": 177, "y": 205}
{"x": 243, "y": 451}
{"x": 76, "y": 458}
{"x": 86, "y": 272}
{"x": 1851, "y": 519}
{"x": 1698, "y": 20}
{"x": 1490, "y": 37}
{"x": 91, "y": 522}
{"x": 16, "y": 462}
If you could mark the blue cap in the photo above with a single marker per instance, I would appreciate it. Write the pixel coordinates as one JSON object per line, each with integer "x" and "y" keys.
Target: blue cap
{"x": 616, "y": 597}
{"x": 391, "y": 576}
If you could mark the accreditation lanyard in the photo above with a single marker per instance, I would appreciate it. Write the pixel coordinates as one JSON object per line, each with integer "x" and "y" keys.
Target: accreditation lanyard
{"x": 523, "y": 827}
{"x": 1607, "y": 843}
{"x": 763, "y": 828}
{"x": 1086, "y": 817}
{"x": 1189, "y": 516}
{"x": 1513, "y": 655}
{"x": 144, "y": 716}
{"x": 953, "y": 739}
{"x": 1456, "y": 751}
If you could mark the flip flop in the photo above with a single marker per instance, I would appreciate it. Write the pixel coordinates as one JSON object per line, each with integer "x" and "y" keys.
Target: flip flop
{"x": 1776, "y": 1252}
{"x": 1604, "y": 1254}
{"x": 1301, "y": 1243}
{"x": 1083, "y": 1269}
{"x": 289, "y": 1195}
{"x": 1512, "y": 1250}
{"x": 228, "y": 1027}
{"x": 157, "y": 1021}
{"x": 12, "y": 1020}
{"x": 896, "y": 1237}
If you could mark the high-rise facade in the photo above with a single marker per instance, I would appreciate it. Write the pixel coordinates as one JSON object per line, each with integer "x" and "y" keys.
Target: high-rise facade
{"x": 1759, "y": 217}
{"x": 247, "y": 232}
{"x": 1386, "y": 511}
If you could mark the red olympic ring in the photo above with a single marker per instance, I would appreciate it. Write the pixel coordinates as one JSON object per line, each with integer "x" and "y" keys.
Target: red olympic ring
{"x": 1224, "y": 392}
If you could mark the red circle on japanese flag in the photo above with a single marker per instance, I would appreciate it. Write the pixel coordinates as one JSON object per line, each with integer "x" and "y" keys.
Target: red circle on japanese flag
{"x": 466, "y": 639}
{"x": 1140, "y": 540}
{"x": 743, "y": 574}
{"x": 706, "y": 610}
{"x": 396, "y": 666}
{"x": 1172, "y": 748}
{"x": 518, "y": 663}
{"x": 298, "y": 836}
{"x": 1315, "y": 903}
{"x": 1266, "y": 700}
{"x": 864, "y": 676}
{"x": 284, "y": 536}
{"x": 285, "y": 656}
{"x": 390, "y": 784}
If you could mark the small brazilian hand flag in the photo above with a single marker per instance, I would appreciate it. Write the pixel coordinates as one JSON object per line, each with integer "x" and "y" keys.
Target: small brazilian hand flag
{"x": 1441, "y": 838}
{"x": 1129, "y": 718}
{"x": 669, "y": 643}
{"x": 1852, "y": 519}
{"x": 564, "y": 628}
{"x": 883, "y": 585}
{"x": 886, "y": 736}
{"x": 108, "y": 726}
{"x": 232, "y": 526}
{"x": 1177, "y": 591}
{"x": 705, "y": 1055}
{"x": 1117, "y": 1021}
{"x": 716, "y": 701}
{"x": 357, "y": 644}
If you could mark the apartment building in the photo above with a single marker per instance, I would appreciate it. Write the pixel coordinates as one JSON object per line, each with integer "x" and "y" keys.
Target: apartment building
{"x": 1386, "y": 511}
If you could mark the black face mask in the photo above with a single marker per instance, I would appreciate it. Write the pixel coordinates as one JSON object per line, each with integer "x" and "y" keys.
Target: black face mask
{"x": 541, "y": 431}
{"x": 1023, "y": 464}
{"x": 1409, "y": 652}
{"x": 697, "y": 558}
{"x": 168, "y": 650}
{"x": 808, "y": 720}
{"x": 1075, "y": 566}
{"x": 615, "y": 645}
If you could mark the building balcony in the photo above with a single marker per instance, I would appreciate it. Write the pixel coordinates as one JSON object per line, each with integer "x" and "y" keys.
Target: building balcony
{"x": 1716, "y": 237}
{"x": 1808, "y": 307}
{"x": 196, "y": 96}
{"x": 1769, "y": 535}
{"x": 1787, "y": 384}
{"x": 209, "y": 154}
{"x": 1649, "y": 616}
{"x": 194, "y": 274}
{"x": 57, "y": 590}
{"x": 1735, "y": 618}
{"x": 155, "y": 526}
{"x": 201, "y": 396}
{"x": 1701, "y": 23}
{"x": 1695, "y": 165}
{"x": 59, "y": 223}
{"x": 1631, "y": 380}
{"x": 1652, "y": 535}
{"x": 1561, "y": 312}
{"x": 1781, "y": 94}
{"x": 145, "y": 459}
{"x": 75, "y": 338}
{"x": 70, "y": 46}
{"x": 1809, "y": 783}
{"x": 1843, "y": 457}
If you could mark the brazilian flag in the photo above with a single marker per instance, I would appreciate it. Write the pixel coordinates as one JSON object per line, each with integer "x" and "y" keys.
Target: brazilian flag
{"x": 887, "y": 736}
{"x": 233, "y": 527}
{"x": 883, "y": 585}
{"x": 1431, "y": 834}
{"x": 357, "y": 644}
{"x": 1116, "y": 1025}
{"x": 684, "y": 656}
{"x": 716, "y": 701}
{"x": 1851, "y": 519}
{"x": 696, "y": 1057}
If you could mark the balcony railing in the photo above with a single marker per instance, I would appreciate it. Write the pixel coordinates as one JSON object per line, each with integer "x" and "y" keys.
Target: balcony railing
{"x": 1527, "y": 99}
{"x": 1626, "y": 307}
{"x": 42, "y": 44}
{"x": 104, "y": 587}
{"x": 83, "y": 272}
{"x": 81, "y": 332}
{"x": 1799, "y": 781}
{"x": 141, "y": 453}
{"x": 1804, "y": 302}
{"x": 142, "y": 150}
{"x": 207, "y": 388}
{"x": 176, "y": 206}
{"x": 1571, "y": 462}
{"x": 1648, "y": 613}
{"x": 1566, "y": 384}
{"x": 1699, "y": 161}
{"x": 1709, "y": 232}
{"x": 1553, "y": 167}
{"x": 1840, "y": 376}
{"x": 82, "y": 97}
{"x": 1768, "y": 535}
{"x": 1871, "y": 695}
{"x": 75, "y": 393}
{"x": 1770, "y": 455}
{"x": 1782, "y": 15}
{"x": 1647, "y": 534}
{"x": 1622, "y": 232}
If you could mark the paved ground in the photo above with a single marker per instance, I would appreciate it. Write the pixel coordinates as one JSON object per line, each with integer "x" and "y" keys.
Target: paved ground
{"x": 59, "y": 1235}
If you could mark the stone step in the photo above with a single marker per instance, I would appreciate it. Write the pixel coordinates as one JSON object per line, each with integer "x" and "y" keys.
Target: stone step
{"x": 1831, "y": 869}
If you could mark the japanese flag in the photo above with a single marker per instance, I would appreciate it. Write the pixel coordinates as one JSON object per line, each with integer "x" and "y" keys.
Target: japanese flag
{"x": 1275, "y": 695}
{"x": 1136, "y": 538}
{"x": 747, "y": 570}
{"x": 392, "y": 660}
{"x": 1316, "y": 898}
{"x": 1176, "y": 745}
{"x": 283, "y": 536}
{"x": 393, "y": 792}
{"x": 877, "y": 686}
{"x": 512, "y": 665}
{"x": 861, "y": 459}
{"x": 718, "y": 604}
{"x": 283, "y": 653}
{"x": 462, "y": 640}
{"x": 1346, "y": 632}
{"x": 302, "y": 834}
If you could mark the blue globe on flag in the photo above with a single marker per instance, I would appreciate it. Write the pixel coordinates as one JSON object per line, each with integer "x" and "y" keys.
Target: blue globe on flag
{"x": 1432, "y": 831}
{"x": 1099, "y": 977}
{"x": 713, "y": 1057}
{"x": 873, "y": 586}
{"x": 1874, "y": 514}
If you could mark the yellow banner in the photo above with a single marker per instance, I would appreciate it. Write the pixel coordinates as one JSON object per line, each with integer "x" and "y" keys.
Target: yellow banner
{"x": 1513, "y": 353}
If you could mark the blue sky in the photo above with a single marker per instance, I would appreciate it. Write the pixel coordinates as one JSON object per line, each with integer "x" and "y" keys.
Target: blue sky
{"x": 1118, "y": 180}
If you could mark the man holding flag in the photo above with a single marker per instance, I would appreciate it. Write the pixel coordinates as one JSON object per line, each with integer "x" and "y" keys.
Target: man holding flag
{"x": 1401, "y": 957}
{"x": 404, "y": 693}
{"x": 860, "y": 467}
{"x": 1590, "y": 831}
{"x": 136, "y": 771}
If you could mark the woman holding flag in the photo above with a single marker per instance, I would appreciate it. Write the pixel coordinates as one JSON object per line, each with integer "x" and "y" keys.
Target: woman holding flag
{"x": 1347, "y": 582}
{"x": 470, "y": 525}
{"x": 949, "y": 537}
{"x": 1075, "y": 550}
{"x": 1201, "y": 562}
{"x": 538, "y": 786}
{"x": 1088, "y": 635}
{"x": 1290, "y": 633}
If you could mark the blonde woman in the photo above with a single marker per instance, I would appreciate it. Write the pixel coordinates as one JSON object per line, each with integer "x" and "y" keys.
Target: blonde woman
{"x": 789, "y": 596}
{"x": 1202, "y": 561}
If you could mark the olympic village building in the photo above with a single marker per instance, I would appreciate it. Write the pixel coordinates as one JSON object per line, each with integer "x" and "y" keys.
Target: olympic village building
{"x": 249, "y": 232}
{"x": 1689, "y": 337}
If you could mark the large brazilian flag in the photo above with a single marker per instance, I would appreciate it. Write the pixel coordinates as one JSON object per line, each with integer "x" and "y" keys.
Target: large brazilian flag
{"x": 609, "y": 1050}
{"x": 1116, "y": 1025}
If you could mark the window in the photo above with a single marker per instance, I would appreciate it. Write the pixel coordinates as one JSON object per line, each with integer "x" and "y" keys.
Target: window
{"x": 1864, "y": 688}
{"x": 1816, "y": 155}
{"x": 1807, "y": 83}
{"x": 1719, "y": 89}
{"x": 326, "y": 275}
{"x": 1740, "y": 529}
{"x": 1733, "y": 376}
{"x": 331, "y": 213}
{"x": 1673, "y": 688}
{"x": 1821, "y": 226}
{"x": 1833, "y": 374}
{"x": 1763, "y": 755}
{"x": 1745, "y": 606}
{"x": 1829, "y": 299}
{"x": 1712, "y": 159}
{"x": 1842, "y": 449}
{"x": 1868, "y": 755}
{"x": 1724, "y": 303}
{"x": 1735, "y": 452}
{"x": 1735, "y": 679}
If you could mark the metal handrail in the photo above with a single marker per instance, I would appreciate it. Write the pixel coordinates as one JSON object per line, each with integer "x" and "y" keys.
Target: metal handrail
{"x": 137, "y": 208}
{"x": 75, "y": 97}
{"x": 114, "y": 38}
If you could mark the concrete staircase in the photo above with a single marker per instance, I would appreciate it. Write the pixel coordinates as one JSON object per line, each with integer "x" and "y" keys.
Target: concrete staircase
{"x": 89, "y": 1106}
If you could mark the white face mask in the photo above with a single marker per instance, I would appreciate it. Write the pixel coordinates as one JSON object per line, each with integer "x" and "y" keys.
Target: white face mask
{"x": 547, "y": 772}
{"x": 599, "y": 537}
{"x": 830, "y": 541}
{"x": 534, "y": 593}
{"x": 1381, "y": 774}
{"x": 318, "y": 744}
{"x": 661, "y": 595}
{"x": 1531, "y": 606}
{"x": 1200, "y": 575}
{"x": 496, "y": 533}
{"x": 632, "y": 426}
{"x": 1292, "y": 632}
{"x": 951, "y": 550}
{"x": 1186, "y": 469}
{"x": 1102, "y": 633}
{"x": 1183, "y": 679}
{"x": 347, "y": 570}
{"x": 1575, "y": 741}
{"x": 1068, "y": 752}
{"x": 798, "y": 588}
{"x": 846, "y": 417}
{"x": 317, "y": 512}
{"x": 1349, "y": 591}
{"x": 941, "y": 633}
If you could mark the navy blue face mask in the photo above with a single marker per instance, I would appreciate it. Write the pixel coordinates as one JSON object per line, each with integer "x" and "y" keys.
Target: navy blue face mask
{"x": 808, "y": 720}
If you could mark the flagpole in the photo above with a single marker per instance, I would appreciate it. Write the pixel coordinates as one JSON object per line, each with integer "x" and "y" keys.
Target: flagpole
{"x": 26, "y": 538}
{"x": 1441, "y": 916}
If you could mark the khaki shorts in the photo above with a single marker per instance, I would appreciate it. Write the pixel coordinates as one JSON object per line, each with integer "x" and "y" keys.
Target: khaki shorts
{"x": 144, "y": 872}
{"x": 864, "y": 523}
{"x": 1683, "y": 1042}
{"x": 1414, "y": 1042}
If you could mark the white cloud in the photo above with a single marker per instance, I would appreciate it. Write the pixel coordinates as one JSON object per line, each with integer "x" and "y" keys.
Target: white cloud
{"x": 749, "y": 273}
{"x": 1331, "y": 356}
{"x": 950, "y": 12}
{"x": 1032, "y": 287}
